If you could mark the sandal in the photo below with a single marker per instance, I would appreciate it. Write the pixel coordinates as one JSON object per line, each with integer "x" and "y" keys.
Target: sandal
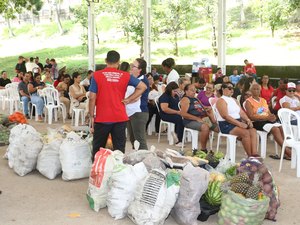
{"x": 274, "y": 157}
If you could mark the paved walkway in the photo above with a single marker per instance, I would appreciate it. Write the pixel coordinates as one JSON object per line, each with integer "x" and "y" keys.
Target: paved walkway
{"x": 35, "y": 200}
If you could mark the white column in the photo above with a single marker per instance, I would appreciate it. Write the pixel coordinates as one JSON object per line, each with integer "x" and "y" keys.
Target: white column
{"x": 91, "y": 35}
{"x": 147, "y": 33}
{"x": 222, "y": 35}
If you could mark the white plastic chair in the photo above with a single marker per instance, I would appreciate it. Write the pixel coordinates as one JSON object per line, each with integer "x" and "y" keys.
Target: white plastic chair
{"x": 230, "y": 139}
{"x": 77, "y": 113}
{"x": 171, "y": 126}
{"x": 12, "y": 98}
{"x": 151, "y": 126}
{"x": 291, "y": 137}
{"x": 52, "y": 104}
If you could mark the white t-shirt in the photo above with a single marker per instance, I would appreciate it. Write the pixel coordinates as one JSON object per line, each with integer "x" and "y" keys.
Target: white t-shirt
{"x": 173, "y": 76}
{"x": 153, "y": 94}
{"x": 232, "y": 108}
{"x": 85, "y": 82}
{"x": 134, "y": 107}
{"x": 294, "y": 102}
{"x": 30, "y": 66}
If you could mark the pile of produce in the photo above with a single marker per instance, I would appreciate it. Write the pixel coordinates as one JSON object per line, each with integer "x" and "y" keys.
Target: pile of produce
{"x": 266, "y": 182}
{"x": 245, "y": 202}
{"x": 212, "y": 157}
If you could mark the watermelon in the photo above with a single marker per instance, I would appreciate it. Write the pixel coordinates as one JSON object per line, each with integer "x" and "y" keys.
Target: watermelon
{"x": 213, "y": 194}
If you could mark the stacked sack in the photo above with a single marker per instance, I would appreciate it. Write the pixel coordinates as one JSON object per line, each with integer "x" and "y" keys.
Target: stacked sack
{"x": 25, "y": 145}
{"x": 75, "y": 157}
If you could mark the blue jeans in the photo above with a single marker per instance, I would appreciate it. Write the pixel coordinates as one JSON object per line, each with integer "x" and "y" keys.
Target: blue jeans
{"x": 38, "y": 101}
{"x": 25, "y": 101}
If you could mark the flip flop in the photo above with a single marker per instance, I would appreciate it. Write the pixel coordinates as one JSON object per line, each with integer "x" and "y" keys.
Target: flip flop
{"x": 274, "y": 157}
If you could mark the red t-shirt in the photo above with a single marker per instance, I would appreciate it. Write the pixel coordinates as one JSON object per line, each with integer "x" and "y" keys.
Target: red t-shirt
{"x": 249, "y": 66}
{"x": 279, "y": 95}
{"x": 267, "y": 93}
{"x": 110, "y": 86}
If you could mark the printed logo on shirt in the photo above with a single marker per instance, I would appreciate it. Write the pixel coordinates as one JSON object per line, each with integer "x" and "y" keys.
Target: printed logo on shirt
{"x": 113, "y": 76}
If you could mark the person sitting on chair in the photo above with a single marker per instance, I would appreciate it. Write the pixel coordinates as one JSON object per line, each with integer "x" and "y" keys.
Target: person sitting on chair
{"x": 195, "y": 116}
{"x": 34, "y": 88}
{"x": 169, "y": 111}
{"x": 233, "y": 120}
{"x": 258, "y": 111}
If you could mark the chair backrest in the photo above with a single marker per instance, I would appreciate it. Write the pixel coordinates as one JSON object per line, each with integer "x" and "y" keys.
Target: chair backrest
{"x": 238, "y": 98}
{"x": 273, "y": 101}
{"x": 51, "y": 96}
{"x": 289, "y": 131}
{"x": 156, "y": 103}
{"x": 12, "y": 91}
{"x": 50, "y": 86}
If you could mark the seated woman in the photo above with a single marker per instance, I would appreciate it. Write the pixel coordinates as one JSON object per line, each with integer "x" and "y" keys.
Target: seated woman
{"x": 290, "y": 101}
{"x": 182, "y": 82}
{"x": 48, "y": 79}
{"x": 169, "y": 111}
{"x": 258, "y": 111}
{"x": 33, "y": 88}
{"x": 78, "y": 95}
{"x": 151, "y": 104}
{"x": 195, "y": 116}
{"x": 233, "y": 120}
{"x": 63, "y": 90}
{"x": 203, "y": 96}
{"x": 18, "y": 78}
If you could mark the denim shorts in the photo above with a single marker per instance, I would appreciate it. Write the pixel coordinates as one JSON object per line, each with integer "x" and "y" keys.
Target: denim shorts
{"x": 226, "y": 127}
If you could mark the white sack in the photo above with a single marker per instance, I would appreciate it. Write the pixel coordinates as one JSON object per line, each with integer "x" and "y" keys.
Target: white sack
{"x": 48, "y": 163}
{"x": 122, "y": 187}
{"x": 193, "y": 184}
{"x": 101, "y": 171}
{"x": 154, "y": 199}
{"x": 75, "y": 158}
{"x": 25, "y": 145}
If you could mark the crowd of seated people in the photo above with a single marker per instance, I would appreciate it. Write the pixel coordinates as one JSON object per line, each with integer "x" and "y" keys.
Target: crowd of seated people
{"x": 242, "y": 105}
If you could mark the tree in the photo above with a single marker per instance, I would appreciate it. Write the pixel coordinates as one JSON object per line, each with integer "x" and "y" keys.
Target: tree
{"x": 81, "y": 17}
{"x": 210, "y": 12}
{"x": 9, "y": 9}
{"x": 55, "y": 4}
{"x": 34, "y": 6}
{"x": 172, "y": 16}
{"x": 275, "y": 13}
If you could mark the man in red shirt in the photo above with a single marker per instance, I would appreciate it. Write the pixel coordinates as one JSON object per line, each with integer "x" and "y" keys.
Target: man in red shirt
{"x": 107, "y": 94}
{"x": 249, "y": 67}
{"x": 279, "y": 93}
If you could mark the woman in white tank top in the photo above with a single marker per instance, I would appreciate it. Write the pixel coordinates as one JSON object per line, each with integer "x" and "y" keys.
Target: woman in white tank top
{"x": 233, "y": 120}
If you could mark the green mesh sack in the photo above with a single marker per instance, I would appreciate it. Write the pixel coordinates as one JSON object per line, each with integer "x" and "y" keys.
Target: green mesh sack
{"x": 236, "y": 209}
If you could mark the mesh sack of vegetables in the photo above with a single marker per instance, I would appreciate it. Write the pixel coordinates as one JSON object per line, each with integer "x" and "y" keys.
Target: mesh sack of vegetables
{"x": 3, "y": 119}
{"x": 4, "y": 135}
{"x": 236, "y": 209}
{"x": 193, "y": 184}
{"x": 18, "y": 117}
{"x": 252, "y": 166}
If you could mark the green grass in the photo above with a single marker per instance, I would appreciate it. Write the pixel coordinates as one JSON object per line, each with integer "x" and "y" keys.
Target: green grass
{"x": 105, "y": 23}
{"x": 232, "y": 51}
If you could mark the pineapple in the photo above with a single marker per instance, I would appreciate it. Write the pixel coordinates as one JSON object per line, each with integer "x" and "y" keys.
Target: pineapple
{"x": 255, "y": 189}
{"x": 241, "y": 178}
{"x": 241, "y": 188}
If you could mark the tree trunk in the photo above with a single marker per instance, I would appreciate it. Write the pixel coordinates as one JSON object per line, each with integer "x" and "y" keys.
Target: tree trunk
{"x": 11, "y": 33}
{"x": 142, "y": 48}
{"x": 97, "y": 36}
{"x": 273, "y": 31}
{"x": 61, "y": 30}
{"x": 242, "y": 13}
{"x": 127, "y": 37}
{"x": 214, "y": 38}
{"x": 175, "y": 43}
{"x": 186, "y": 31}
{"x": 32, "y": 15}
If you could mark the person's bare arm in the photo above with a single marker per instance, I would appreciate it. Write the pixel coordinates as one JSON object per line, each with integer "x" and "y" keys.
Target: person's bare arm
{"x": 92, "y": 103}
{"x": 22, "y": 93}
{"x": 222, "y": 109}
{"x": 184, "y": 105}
{"x": 288, "y": 106}
{"x": 139, "y": 90}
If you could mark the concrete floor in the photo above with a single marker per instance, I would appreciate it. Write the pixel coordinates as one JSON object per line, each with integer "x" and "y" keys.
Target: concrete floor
{"x": 35, "y": 200}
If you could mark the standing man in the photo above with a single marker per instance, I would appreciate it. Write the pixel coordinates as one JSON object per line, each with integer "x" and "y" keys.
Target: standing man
{"x": 31, "y": 65}
{"x": 139, "y": 112}
{"x": 37, "y": 61}
{"x": 20, "y": 66}
{"x": 107, "y": 94}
